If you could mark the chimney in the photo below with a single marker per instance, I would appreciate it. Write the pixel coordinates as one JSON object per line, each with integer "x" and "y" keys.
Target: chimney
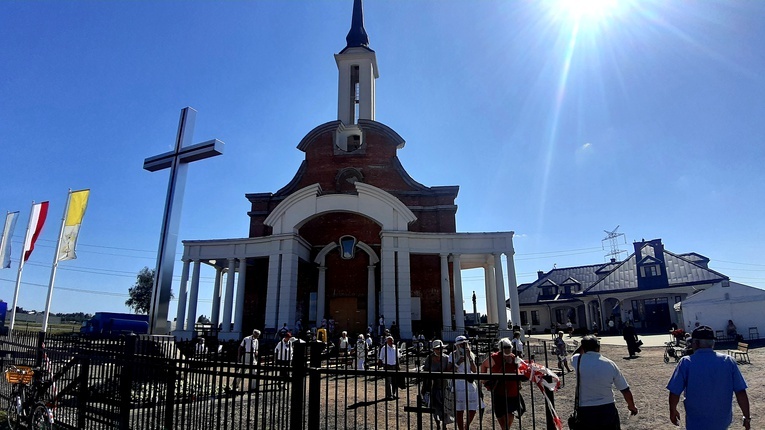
{"x": 613, "y": 260}
{"x": 540, "y": 274}
{"x": 658, "y": 249}
{"x": 638, "y": 247}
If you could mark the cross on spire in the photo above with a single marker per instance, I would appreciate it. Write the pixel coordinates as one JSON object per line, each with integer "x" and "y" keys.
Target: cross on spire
{"x": 177, "y": 160}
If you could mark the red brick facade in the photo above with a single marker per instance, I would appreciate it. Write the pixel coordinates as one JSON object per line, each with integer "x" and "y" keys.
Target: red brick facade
{"x": 374, "y": 163}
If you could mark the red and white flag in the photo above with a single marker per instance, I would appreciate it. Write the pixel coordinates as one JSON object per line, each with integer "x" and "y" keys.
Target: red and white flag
{"x": 36, "y": 222}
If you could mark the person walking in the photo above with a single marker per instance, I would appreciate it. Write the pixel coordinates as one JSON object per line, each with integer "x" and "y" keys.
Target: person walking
{"x": 561, "y": 352}
{"x": 517, "y": 344}
{"x": 462, "y": 361}
{"x": 597, "y": 374}
{"x": 631, "y": 337}
{"x": 283, "y": 355}
{"x": 709, "y": 380}
{"x": 504, "y": 394}
{"x": 388, "y": 358}
{"x": 433, "y": 388}
{"x": 248, "y": 354}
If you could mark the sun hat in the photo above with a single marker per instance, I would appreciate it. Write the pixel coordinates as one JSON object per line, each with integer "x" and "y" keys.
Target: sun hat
{"x": 437, "y": 344}
{"x": 460, "y": 340}
{"x": 504, "y": 343}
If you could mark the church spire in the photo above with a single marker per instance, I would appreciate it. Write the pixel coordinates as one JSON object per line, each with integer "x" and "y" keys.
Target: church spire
{"x": 357, "y": 36}
{"x": 357, "y": 66}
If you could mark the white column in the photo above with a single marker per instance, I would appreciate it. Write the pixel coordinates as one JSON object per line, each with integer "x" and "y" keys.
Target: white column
{"x": 491, "y": 296}
{"x": 459, "y": 305}
{"x": 228, "y": 303}
{"x": 388, "y": 279}
{"x": 512, "y": 288}
{"x": 587, "y": 315}
{"x": 446, "y": 302}
{"x": 180, "y": 317}
{"x": 272, "y": 295}
{"x": 191, "y": 318}
{"x": 500, "y": 291}
{"x": 288, "y": 285}
{"x": 321, "y": 295}
{"x": 215, "y": 313}
{"x": 404, "y": 292}
{"x": 241, "y": 278}
{"x": 371, "y": 307}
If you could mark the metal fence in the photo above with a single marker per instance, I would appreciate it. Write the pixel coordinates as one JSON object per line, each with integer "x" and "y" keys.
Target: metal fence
{"x": 143, "y": 382}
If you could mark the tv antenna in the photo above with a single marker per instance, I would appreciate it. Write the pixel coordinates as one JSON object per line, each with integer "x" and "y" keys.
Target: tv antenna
{"x": 613, "y": 238}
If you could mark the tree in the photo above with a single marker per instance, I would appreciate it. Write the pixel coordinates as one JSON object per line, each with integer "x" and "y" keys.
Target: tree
{"x": 140, "y": 293}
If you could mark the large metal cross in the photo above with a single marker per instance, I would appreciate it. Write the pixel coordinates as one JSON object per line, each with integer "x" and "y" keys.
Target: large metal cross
{"x": 177, "y": 160}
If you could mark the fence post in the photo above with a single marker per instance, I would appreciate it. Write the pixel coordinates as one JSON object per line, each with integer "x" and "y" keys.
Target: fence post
{"x": 126, "y": 382}
{"x": 40, "y": 342}
{"x": 170, "y": 396}
{"x": 298, "y": 382}
{"x": 314, "y": 386}
{"x": 84, "y": 392}
{"x": 548, "y": 412}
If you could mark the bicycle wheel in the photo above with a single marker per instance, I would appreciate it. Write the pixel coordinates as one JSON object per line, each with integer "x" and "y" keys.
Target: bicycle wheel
{"x": 12, "y": 413}
{"x": 40, "y": 418}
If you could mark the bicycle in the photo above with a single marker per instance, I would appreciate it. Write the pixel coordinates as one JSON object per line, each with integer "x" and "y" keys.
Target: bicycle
{"x": 25, "y": 399}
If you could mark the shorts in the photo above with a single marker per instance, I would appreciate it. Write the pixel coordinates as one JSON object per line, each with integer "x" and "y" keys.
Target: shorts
{"x": 503, "y": 405}
{"x": 601, "y": 417}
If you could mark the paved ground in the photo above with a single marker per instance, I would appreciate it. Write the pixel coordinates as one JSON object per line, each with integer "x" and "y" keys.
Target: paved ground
{"x": 648, "y": 340}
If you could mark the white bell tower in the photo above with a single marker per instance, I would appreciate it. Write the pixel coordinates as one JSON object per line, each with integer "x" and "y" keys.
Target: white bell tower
{"x": 357, "y": 70}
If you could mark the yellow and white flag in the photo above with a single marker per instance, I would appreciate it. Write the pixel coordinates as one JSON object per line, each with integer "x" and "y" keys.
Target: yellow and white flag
{"x": 78, "y": 201}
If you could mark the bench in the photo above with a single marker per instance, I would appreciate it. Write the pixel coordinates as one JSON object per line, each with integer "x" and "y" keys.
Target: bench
{"x": 741, "y": 354}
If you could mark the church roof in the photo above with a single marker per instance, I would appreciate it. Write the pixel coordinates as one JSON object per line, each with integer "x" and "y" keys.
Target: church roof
{"x": 357, "y": 35}
{"x": 617, "y": 276}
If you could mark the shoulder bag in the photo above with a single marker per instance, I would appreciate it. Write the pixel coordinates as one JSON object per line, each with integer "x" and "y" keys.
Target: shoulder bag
{"x": 574, "y": 421}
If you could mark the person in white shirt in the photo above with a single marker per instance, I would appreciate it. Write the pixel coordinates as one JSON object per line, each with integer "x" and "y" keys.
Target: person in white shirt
{"x": 596, "y": 375}
{"x": 248, "y": 354}
{"x": 249, "y": 348}
{"x": 361, "y": 352}
{"x": 462, "y": 361}
{"x": 283, "y": 354}
{"x": 388, "y": 358}
{"x": 344, "y": 346}
{"x": 517, "y": 344}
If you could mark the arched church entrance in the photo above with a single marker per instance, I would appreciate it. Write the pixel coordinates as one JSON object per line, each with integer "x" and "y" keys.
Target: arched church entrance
{"x": 345, "y": 249}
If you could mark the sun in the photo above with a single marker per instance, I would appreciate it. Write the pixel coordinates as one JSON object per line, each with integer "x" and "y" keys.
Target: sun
{"x": 594, "y": 10}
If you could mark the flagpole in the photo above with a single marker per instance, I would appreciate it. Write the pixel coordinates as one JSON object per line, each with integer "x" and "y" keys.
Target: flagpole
{"x": 18, "y": 275}
{"x": 55, "y": 263}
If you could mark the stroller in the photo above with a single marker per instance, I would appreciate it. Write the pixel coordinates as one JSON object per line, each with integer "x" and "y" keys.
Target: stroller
{"x": 676, "y": 350}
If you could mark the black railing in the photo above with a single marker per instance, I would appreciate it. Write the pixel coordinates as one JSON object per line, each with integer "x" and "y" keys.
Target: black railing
{"x": 146, "y": 382}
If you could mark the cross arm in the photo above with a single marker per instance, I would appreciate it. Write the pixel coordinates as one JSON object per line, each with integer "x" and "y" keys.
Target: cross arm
{"x": 200, "y": 151}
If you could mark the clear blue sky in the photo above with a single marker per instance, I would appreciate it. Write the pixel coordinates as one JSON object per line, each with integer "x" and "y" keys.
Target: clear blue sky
{"x": 647, "y": 115}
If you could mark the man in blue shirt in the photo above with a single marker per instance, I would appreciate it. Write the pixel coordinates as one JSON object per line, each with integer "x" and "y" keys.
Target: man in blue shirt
{"x": 709, "y": 380}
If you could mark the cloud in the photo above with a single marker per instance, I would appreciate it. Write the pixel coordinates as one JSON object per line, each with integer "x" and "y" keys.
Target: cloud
{"x": 583, "y": 152}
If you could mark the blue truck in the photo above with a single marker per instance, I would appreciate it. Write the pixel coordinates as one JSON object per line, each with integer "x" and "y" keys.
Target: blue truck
{"x": 110, "y": 323}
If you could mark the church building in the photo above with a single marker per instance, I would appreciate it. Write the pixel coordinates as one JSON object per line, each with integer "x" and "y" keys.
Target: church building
{"x": 352, "y": 236}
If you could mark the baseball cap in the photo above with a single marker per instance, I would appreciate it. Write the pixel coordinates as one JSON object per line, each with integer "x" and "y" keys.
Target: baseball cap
{"x": 703, "y": 332}
{"x": 460, "y": 340}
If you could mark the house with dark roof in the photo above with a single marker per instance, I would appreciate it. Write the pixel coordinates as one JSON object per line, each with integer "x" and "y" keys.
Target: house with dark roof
{"x": 643, "y": 290}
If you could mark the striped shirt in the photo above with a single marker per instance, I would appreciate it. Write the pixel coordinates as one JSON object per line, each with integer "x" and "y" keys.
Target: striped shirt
{"x": 283, "y": 351}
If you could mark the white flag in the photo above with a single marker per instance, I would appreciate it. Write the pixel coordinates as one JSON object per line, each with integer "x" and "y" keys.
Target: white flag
{"x": 78, "y": 202}
{"x": 5, "y": 240}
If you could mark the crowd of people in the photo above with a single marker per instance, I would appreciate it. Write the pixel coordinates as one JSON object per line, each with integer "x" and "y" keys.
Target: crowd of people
{"x": 708, "y": 380}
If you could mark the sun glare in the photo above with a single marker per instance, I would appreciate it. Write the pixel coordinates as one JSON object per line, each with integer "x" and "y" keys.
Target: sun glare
{"x": 588, "y": 9}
